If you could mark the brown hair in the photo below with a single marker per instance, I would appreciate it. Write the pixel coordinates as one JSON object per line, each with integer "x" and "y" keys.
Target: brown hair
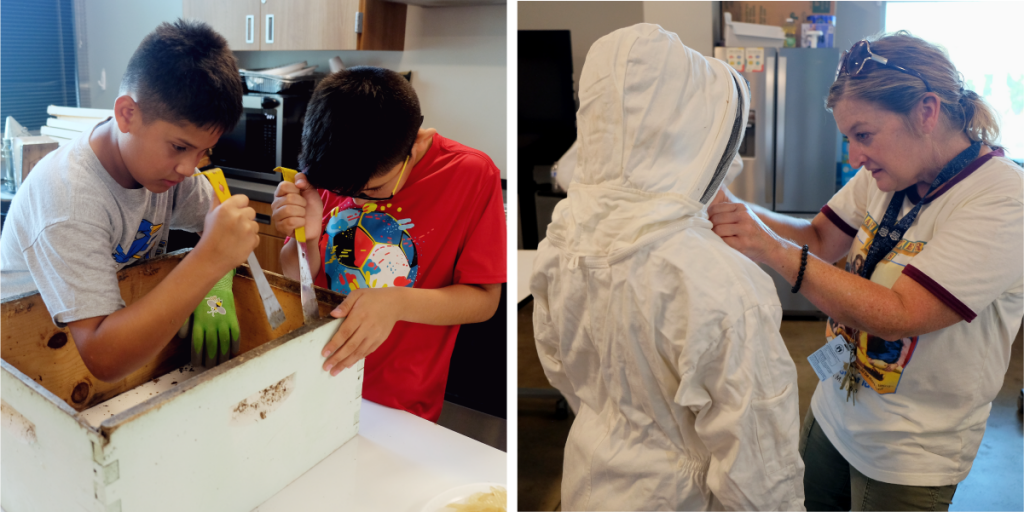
{"x": 899, "y": 92}
{"x": 184, "y": 71}
{"x": 360, "y": 123}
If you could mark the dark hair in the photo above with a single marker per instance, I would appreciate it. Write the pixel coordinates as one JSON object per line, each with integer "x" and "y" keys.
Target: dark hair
{"x": 185, "y": 72}
{"x": 898, "y": 92}
{"x": 360, "y": 123}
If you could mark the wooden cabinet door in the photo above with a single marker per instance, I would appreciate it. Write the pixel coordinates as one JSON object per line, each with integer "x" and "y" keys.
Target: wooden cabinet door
{"x": 263, "y": 217}
{"x": 309, "y": 24}
{"x": 268, "y": 253}
{"x": 383, "y": 25}
{"x": 230, "y": 18}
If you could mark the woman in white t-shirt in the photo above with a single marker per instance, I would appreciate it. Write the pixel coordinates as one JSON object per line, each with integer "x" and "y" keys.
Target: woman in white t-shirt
{"x": 933, "y": 293}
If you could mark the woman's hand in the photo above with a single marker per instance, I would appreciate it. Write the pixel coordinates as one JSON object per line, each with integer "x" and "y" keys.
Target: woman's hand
{"x": 742, "y": 230}
{"x": 723, "y": 196}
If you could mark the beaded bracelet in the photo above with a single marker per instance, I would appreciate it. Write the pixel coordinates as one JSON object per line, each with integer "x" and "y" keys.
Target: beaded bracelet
{"x": 803, "y": 266}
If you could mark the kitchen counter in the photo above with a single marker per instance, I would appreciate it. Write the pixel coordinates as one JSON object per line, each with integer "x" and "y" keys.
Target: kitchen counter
{"x": 398, "y": 462}
{"x": 256, "y": 191}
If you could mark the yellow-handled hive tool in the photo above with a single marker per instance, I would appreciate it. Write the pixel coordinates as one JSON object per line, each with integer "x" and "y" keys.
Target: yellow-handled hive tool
{"x": 310, "y": 310}
{"x": 275, "y": 315}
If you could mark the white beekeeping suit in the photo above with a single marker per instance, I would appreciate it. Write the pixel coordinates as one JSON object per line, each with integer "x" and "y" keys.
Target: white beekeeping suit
{"x": 664, "y": 340}
{"x": 566, "y": 166}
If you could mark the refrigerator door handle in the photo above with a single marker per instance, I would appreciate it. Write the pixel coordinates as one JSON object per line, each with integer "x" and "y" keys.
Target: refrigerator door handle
{"x": 767, "y": 120}
{"x": 780, "y": 128}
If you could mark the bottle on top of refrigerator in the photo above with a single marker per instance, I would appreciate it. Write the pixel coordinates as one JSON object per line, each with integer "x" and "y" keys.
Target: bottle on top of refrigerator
{"x": 823, "y": 28}
{"x": 789, "y": 29}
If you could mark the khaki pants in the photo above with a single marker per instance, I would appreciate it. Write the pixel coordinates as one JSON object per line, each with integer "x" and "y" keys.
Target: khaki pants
{"x": 831, "y": 483}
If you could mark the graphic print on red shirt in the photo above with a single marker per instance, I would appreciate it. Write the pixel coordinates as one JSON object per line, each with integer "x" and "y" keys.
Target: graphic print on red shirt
{"x": 369, "y": 248}
{"x": 445, "y": 226}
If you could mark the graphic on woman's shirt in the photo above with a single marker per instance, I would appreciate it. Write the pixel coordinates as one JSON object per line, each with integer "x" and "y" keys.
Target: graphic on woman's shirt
{"x": 143, "y": 237}
{"x": 367, "y": 248}
{"x": 879, "y": 362}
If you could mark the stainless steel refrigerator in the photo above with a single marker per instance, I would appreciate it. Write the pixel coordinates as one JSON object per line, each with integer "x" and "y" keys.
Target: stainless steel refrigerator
{"x": 792, "y": 145}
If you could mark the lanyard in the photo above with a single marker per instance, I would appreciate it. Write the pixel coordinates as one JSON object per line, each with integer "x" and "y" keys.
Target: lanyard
{"x": 890, "y": 231}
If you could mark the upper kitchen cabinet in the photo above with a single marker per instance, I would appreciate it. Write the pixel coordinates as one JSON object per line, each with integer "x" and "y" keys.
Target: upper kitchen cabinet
{"x": 236, "y": 20}
{"x": 269, "y": 25}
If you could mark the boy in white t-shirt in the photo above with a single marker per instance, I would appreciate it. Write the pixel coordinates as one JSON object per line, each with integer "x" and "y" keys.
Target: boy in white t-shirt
{"x": 108, "y": 199}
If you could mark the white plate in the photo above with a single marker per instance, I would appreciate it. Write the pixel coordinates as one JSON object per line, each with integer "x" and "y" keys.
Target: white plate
{"x": 458, "y": 494}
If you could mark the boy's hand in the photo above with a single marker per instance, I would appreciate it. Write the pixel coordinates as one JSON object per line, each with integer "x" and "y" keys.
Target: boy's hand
{"x": 230, "y": 232}
{"x": 297, "y": 205}
{"x": 370, "y": 314}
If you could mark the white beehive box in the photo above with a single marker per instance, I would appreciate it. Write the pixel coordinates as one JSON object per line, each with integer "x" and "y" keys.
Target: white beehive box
{"x": 227, "y": 439}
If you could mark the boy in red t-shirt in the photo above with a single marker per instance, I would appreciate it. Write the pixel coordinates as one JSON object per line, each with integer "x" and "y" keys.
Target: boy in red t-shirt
{"x": 410, "y": 225}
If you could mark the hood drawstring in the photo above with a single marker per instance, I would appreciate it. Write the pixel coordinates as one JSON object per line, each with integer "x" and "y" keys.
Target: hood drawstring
{"x": 574, "y": 262}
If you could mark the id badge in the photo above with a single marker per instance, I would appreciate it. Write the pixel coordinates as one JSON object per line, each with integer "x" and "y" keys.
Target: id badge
{"x": 830, "y": 358}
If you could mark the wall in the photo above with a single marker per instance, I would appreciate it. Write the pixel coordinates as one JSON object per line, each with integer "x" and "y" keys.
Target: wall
{"x": 858, "y": 20}
{"x": 457, "y": 55}
{"x": 692, "y": 21}
{"x": 114, "y": 28}
{"x": 588, "y": 21}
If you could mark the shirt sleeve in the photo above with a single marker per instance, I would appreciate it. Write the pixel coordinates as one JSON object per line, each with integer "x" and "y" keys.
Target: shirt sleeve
{"x": 977, "y": 252}
{"x": 545, "y": 330}
{"x": 743, "y": 391}
{"x": 74, "y": 271}
{"x": 848, "y": 207}
{"x": 192, "y": 200}
{"x": 482, "y": 258}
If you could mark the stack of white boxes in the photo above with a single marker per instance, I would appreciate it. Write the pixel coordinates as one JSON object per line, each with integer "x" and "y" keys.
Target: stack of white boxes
{"x": 67, "y": 123}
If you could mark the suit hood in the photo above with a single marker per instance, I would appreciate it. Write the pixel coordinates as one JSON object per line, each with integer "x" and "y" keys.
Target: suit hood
{"x": 658, "y": 127}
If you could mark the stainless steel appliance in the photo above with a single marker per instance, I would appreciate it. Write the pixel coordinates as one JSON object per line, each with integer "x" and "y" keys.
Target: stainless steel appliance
{"x": 792, "y": 144}
{"x": 268, "y": 135}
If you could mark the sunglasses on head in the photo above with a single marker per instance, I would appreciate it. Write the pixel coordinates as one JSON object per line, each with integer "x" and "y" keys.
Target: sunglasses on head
{"x": 853, "y": 60}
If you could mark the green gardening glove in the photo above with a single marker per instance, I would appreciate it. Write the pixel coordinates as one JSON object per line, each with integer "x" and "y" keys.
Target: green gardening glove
{"x": 215, "y": 325}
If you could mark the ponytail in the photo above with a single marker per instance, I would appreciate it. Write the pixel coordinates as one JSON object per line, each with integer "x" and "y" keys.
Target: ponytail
{"x": 979, "y": 120}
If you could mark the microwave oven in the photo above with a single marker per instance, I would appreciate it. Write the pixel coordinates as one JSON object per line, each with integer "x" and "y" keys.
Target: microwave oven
{"x": 268, "y": 135}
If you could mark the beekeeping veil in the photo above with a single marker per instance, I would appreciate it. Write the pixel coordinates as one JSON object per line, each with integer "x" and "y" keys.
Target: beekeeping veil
{"x": 658, "y": 127}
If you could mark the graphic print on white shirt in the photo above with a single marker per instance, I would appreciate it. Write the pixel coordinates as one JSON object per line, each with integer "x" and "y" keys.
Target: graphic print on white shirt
{"x": 144, "y": 238}
{"x": 880, "y": 362}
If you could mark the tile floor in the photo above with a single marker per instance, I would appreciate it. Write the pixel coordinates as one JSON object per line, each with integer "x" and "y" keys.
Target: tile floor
{"x": 996, "y": 481}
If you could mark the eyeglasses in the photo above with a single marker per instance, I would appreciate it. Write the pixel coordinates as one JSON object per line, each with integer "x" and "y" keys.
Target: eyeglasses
{"x": 853, "y": 60}
{"x": 368, "y": 198}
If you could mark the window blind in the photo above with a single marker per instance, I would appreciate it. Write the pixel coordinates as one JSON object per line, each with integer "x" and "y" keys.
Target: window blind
{"x": 37, "y": 59}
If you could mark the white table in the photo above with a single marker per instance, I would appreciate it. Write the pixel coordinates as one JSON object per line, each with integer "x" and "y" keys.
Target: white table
{"x": 524, "y": 268}
{"x": 398, "y": 463}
